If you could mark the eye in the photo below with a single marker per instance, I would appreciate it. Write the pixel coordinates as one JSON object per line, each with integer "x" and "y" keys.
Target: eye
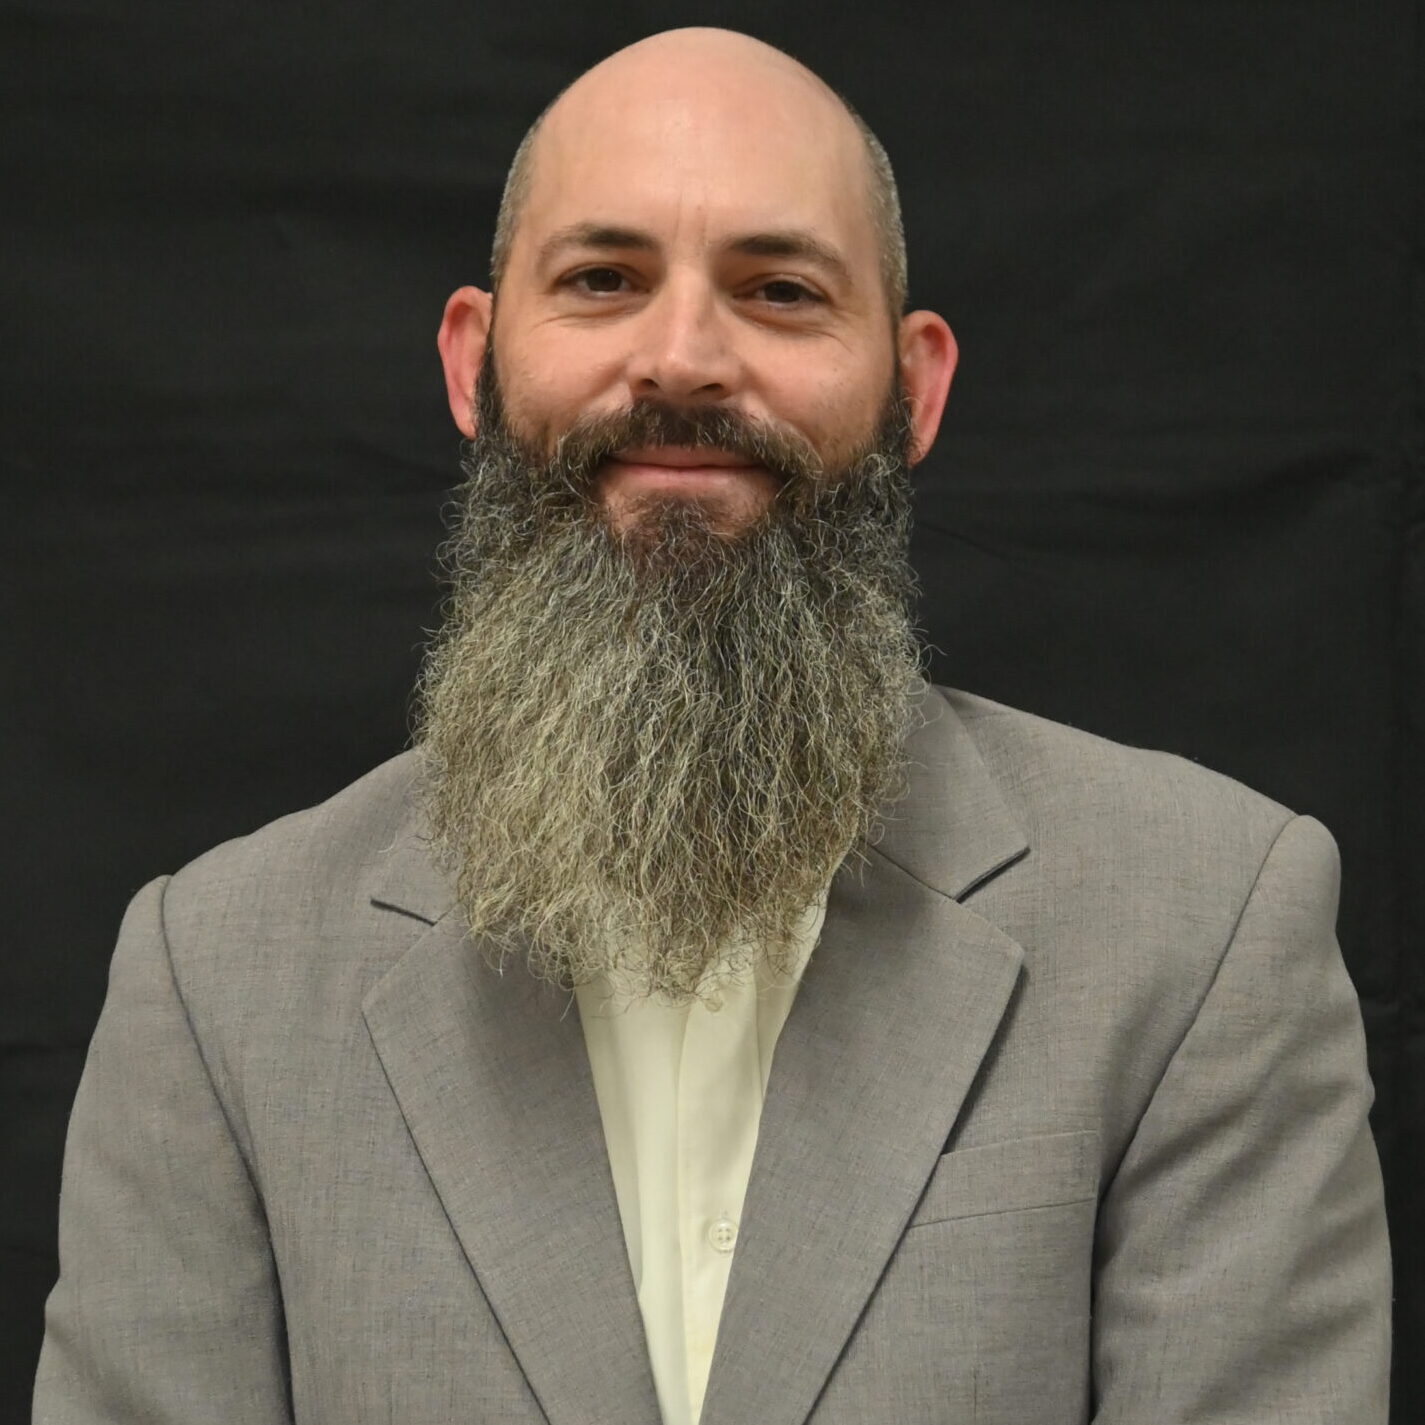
{"x": 600, "y": 281}
{"x": 783, "y": 292}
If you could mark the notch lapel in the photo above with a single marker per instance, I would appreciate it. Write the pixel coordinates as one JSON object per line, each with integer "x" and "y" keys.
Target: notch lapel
{"x": 491, "y": 1073}
{"x": 898, "y": 1007}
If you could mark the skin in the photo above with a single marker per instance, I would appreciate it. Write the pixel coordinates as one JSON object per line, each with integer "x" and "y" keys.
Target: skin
{"x": 652, "y": 262}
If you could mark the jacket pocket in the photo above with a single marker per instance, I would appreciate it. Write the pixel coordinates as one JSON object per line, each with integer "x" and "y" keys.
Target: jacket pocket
{"x": 1044, "y": 1171}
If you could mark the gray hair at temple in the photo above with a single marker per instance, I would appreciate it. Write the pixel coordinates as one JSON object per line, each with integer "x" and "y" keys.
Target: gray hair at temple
{"x": 885, "y": 205}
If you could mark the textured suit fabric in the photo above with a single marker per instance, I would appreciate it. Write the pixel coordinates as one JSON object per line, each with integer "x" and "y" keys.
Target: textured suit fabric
{"x": 1068, "y": 1123}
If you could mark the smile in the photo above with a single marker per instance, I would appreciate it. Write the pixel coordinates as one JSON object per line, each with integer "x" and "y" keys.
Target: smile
{"x": 679, "y": 468}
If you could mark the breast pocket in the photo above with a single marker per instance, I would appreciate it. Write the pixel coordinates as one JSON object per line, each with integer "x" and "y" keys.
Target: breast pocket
{"x": 983, "y": 1310}
{"x": 1045, "y": 1171}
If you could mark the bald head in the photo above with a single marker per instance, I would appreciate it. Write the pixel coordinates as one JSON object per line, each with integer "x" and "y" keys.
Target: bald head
{"x": 699, "y": 224}
{"x": 701, "y": 76}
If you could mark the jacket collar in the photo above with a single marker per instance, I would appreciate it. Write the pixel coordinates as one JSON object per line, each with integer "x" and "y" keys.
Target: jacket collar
{"x": 952, "y": 830}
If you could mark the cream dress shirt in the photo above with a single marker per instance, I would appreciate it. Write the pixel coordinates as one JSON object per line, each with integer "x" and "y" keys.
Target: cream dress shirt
{"x": 680, "y": 1092}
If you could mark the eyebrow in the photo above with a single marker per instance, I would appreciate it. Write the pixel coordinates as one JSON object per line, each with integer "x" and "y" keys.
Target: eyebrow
{"x": 795, "y": 243}
{"x": 596, "y": 235}
{"x": 782, "y": 242}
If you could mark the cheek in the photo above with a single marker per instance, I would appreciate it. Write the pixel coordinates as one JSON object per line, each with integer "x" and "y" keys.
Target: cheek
{"x": 547, "y": 384}
{"x": 836, "y": 409}
{"x": 536, "y": 402}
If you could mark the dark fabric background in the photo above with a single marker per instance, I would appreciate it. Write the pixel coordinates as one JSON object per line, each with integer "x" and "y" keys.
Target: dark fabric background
{"x": 1177, "y": 499}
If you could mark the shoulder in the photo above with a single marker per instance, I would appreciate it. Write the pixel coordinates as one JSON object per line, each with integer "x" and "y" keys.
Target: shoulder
{"x": 1142, "y": 866}
{"x": 276, "y": 937}
{"x": 313, "y": 868}
{"x": 1057, "y": 778}
{"x": 1145, "y": 837}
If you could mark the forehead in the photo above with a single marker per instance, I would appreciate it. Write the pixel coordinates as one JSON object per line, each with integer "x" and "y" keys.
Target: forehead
{"x": 712, "y": 155}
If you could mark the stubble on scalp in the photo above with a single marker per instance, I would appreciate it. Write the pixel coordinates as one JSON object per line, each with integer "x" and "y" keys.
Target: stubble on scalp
{"x": 645, "y": 753}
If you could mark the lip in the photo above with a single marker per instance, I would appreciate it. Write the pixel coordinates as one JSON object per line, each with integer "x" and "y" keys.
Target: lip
{"x": 680, "y": 457}
{"x": 679, "y": 469}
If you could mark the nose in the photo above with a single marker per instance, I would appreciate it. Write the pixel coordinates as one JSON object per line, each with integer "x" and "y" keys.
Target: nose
{"x": 683, "y": 347}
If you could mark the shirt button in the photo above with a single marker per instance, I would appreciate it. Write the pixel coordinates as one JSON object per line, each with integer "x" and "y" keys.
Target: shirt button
{"x": 713, "y": 1003}
{"x": 723, "y": 1234}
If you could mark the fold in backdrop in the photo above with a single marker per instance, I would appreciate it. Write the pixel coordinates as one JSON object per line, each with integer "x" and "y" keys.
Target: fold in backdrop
{"x": 1176, "y": 500}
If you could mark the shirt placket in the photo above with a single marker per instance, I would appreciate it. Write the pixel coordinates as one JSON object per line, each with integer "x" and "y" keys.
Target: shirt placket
{"x": 719, "y": 1107}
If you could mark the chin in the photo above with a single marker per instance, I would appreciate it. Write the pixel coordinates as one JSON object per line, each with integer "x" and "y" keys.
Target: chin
{"x": 728, "y": 518}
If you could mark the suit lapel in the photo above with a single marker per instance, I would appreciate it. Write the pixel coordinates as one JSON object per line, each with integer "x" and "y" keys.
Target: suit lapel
{"x": 899, "y": 1004}
{"x": 491, "y": 1073}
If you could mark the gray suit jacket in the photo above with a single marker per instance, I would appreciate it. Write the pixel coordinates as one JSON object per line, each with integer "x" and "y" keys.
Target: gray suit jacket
{"x": 1068, "y": 1122}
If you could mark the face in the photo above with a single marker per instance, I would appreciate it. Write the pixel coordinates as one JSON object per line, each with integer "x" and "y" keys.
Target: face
{"x": 668, "y": 254}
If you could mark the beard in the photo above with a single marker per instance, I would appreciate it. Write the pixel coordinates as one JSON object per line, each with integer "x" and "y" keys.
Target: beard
{"x": 645, "y": 750}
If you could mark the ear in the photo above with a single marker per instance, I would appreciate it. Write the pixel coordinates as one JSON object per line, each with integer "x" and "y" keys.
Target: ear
{"x": 464, "y": 332}
{"x": 928, "y": 353}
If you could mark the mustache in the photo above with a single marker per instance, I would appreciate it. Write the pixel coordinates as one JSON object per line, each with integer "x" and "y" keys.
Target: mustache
{"x": 596, "y": 437}
{"x": 593, "y": 439}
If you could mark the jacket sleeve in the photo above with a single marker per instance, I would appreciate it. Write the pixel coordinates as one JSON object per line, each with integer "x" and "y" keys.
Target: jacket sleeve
{"x": 1242, "y": 1266}
{"x": 167, "y": 1309}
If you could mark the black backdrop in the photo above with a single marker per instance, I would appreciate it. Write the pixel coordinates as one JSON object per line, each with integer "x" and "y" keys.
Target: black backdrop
{"x": 1177, "y": 498}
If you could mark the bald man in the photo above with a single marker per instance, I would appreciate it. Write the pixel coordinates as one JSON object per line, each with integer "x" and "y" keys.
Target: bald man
{"x": 708, "y": 1020}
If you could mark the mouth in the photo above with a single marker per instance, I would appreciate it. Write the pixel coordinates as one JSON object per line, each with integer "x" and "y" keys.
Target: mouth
{"x": 680, "y": 469}
{"x": 680, "y": 457}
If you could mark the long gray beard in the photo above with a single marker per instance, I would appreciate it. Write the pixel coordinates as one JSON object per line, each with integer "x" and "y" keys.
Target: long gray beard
{"x": 646, "y": 755}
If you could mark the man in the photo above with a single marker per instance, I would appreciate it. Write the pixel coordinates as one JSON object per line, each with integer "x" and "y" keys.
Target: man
{"x": 709, "y": 1020}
